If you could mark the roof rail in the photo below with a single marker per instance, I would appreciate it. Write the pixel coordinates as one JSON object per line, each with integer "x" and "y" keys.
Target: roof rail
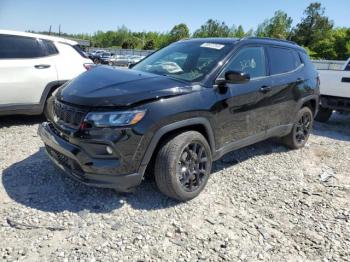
{"x": 269, "y": 38}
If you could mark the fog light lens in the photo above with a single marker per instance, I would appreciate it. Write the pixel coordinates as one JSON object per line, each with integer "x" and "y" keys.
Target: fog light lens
{"x": 109, "y": 150}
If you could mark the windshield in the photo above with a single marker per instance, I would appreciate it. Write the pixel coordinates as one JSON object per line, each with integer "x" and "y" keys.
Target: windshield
{"x": 189, "y": 61}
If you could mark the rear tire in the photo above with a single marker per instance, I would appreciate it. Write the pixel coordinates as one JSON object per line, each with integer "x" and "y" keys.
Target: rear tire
{"x": 183, "y": 166}
{"x": 324, "y": 114}
{"x": 301, "y": 130}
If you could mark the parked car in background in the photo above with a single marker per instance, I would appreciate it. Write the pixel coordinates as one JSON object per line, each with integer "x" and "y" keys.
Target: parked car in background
{"x": 95, "y": 54}
{"x": 32, "y": 67}
{"x": 136, "y": 58}
{"x": 120, "y": 60}
{"x": 178, "y": 110}
{"x": 335, "y": 88}
{"x": 104, "y": 58}
{"x": 125, "y": 60}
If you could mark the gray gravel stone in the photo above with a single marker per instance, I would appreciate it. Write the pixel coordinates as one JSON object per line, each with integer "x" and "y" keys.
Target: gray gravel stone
{"x": 263, "y": 202}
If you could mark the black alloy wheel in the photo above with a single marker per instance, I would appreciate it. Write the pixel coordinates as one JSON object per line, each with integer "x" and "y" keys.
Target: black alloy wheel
{"x": 192, "y": 167}
{"x": 183, "y": 165}
{"x": 303, "y": 128}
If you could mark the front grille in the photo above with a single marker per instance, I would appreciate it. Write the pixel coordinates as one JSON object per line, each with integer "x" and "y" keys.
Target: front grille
{"x": 70, "y": 115}
{"x": 65, "y": 161}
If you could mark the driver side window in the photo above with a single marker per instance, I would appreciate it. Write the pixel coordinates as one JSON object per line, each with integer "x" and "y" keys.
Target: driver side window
{"x": 249, "y": 60}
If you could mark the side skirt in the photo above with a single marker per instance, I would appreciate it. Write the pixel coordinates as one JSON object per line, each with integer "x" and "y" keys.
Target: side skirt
{"x": 35, "y": 109}
{"x": 278, "y": 131}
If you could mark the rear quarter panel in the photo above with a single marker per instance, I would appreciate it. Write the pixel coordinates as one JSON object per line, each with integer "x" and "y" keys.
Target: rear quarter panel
{"x": 69, "y": 63}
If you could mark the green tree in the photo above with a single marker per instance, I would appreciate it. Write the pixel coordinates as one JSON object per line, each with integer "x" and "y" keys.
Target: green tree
{"x": 179, "y": 32}
{"x": 315, "y": 32}
{"x": 341, "y": 38}
{"x": 261, "y": 29}
{"x": 131, "y": 43}
{"x": 213, "y": 28}
{"x": 314, "y": 27}
{"x": 324, "y": 48}
{"x": 237, "y": 31}
{"x": 240, "y": 31}
{"x": 279, "y": 26}
{"x": 149, "y": 45}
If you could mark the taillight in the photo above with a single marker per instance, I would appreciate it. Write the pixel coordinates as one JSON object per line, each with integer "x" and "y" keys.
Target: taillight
{"x": 88, "y": 66}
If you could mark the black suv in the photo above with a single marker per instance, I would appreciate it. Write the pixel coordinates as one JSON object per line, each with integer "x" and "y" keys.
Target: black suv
{"x": 180, "y": 109}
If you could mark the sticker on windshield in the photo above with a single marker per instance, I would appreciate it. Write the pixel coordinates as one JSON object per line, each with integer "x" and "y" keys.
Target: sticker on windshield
{"x": 213, "y": 46}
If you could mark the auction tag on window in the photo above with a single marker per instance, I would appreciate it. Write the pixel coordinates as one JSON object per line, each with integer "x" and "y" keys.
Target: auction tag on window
{"x": 212, "y": 45}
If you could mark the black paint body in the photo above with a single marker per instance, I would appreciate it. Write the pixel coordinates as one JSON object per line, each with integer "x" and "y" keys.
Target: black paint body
{"x": 230, "y": 117}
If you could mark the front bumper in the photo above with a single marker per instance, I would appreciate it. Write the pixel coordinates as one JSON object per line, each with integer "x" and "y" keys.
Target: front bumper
{"x": 79, "y": 165}
{"x": 335, "y": 103}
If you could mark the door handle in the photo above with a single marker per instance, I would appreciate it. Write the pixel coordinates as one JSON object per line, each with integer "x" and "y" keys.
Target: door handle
{"x": 265, "y": 89}
{"x": 42, "y": 66}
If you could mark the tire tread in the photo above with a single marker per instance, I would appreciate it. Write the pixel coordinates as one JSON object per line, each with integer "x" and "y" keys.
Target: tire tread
{"x": 165, "y": 166}
{"x": 288, "y": 140}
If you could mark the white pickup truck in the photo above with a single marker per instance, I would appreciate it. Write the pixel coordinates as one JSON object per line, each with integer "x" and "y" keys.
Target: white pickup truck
{"x": 335, "y": 88}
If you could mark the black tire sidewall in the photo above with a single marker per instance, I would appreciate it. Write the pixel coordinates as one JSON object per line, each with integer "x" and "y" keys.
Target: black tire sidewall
{"x": 299, "y": 115}
{"x": 171, "y": 170}
{"x": 175, "y": 178}
{"x": 48, "y": 109}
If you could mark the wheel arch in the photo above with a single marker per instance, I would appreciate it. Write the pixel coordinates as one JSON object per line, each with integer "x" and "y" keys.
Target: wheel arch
{"x": 310, "y": 101}
{"x": 49, "y": 89}
{"x": 199, "y": 124}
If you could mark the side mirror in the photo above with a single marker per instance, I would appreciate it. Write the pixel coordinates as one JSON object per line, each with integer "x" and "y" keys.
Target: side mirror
{"x": 131, "y": 65}
{"x": 236, "y": 77}
{"x": 232, "y": 77}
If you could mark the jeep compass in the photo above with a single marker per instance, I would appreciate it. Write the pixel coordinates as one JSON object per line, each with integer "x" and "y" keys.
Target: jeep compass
{"x": 178, "y": 110}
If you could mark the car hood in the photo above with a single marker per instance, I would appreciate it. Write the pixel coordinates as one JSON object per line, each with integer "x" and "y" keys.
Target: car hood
{"x": 108, "y": 86}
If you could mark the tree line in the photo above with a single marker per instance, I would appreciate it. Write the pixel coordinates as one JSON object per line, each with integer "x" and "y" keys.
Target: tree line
{"x": 316, "y": 32}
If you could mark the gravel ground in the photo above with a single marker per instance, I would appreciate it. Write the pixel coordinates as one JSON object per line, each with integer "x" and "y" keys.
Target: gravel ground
{"x": 263, "y": 202}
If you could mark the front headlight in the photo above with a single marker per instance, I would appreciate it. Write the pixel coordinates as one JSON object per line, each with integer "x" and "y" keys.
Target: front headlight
{"x": 114, "y": 119}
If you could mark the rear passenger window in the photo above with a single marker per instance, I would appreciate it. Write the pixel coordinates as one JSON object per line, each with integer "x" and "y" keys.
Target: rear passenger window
{"x": 282, "y": 60}
{"x": 80, "y": 51}
{"x": 19, "y": 47}
{"x": 249, "y": 60}
{"x": 297, "y": 60}
{"x": 306, "y": 60}
{"x": 50, "y": 47}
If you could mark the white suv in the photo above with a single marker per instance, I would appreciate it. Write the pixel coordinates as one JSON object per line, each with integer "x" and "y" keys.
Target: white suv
{"x": 32, "y": 66}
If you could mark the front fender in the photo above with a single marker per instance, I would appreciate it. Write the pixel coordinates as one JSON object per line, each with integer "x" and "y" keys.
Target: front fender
{"x": 170, "y": 128}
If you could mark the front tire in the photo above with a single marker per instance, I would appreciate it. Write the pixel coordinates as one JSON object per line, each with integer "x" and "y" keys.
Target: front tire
{"x": 48, "y": 109}
{"x": 324, "y": 114}
{"x": 301, "y": 130}
{"x": 183, "y": 166}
